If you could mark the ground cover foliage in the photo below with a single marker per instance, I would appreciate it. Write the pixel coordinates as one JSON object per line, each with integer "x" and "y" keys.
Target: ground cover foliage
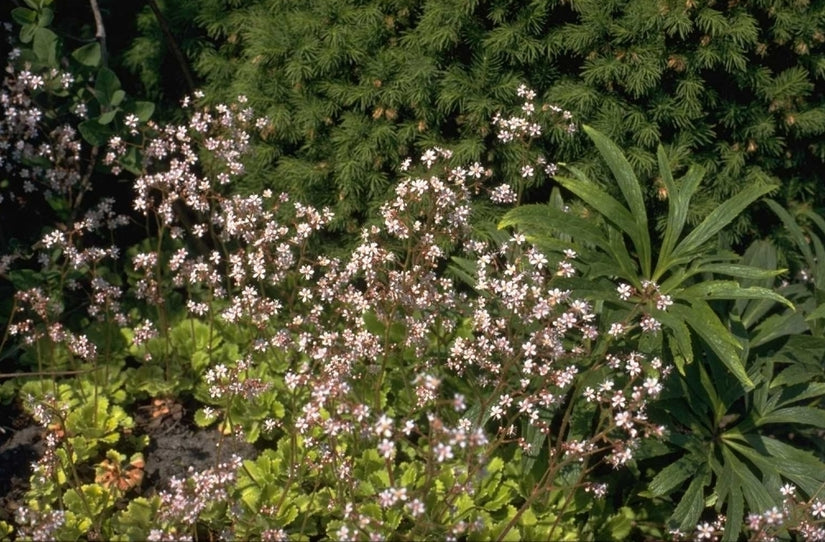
{"x": 462, "y": 364}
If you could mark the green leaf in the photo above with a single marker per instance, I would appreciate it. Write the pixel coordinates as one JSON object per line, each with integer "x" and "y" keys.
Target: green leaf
{"x": 672, "y": 476}
{"x": 678, "y": 337}
{"x": 88, "y": 55}
{"x": 751, "y": 487}
{"x": 678, "y": 206}
{"x": 792, "y": 227}
{"x": 720, "y": 217}
{"x": 204, "y": 420}
{"x": 143, "y": 110}
{"x": 107, "y": 117}
{"x": 817, "y": 313}
{"x": 611, "y": 209}
{"x": 726, "y": 289}
{"x": 106, "y": 84}
{"x": 45, "y": 46}
{"x": 536, "y": 219}
{"x": 778, "y": 325}
{"x": 741, "y": 271}
{"x": 793, "y": 415}
{"x": 631, "y": 190}
{"x": 734, "y": 514}
{"x": 91, "y": 499}
{"x": 45, "y": 18}
{"x": 24, "y": 16}
{"x": 690, "y": 507}
{"x": 701, "y": 318}
{"x": 27, "y": 32}
{"x": 95, "y": 133}
{"x": 117, "y": 97}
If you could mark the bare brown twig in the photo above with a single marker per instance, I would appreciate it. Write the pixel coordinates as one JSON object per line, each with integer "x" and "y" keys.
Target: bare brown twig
{"x": 100, "y": 32}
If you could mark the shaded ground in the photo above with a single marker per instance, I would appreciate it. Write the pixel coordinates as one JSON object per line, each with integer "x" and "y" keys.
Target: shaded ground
{"x": 176, "y": 444}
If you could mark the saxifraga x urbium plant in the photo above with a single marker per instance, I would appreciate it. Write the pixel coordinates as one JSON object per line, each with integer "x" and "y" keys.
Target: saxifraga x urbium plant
{"x": 388, "y": 400}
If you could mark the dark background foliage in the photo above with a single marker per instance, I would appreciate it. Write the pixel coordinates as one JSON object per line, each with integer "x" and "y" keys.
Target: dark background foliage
{"x": 352, "y": 87}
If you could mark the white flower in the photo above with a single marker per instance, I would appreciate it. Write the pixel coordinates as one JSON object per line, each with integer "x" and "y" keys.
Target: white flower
{"x": 650, "y": 324}
{"x": 625, "y": 291}
{"x": 663, "y": 302}
{"x": 704, "y": 531}
{"x": 616, "y": 329}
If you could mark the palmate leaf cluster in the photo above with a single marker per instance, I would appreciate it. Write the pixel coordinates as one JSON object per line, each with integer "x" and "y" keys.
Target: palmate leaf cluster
{"x": 748, "y": 380}
{"x": 354, "y": 86}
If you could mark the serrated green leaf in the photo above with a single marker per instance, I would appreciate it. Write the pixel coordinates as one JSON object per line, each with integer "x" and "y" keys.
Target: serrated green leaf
{"x": 687, "y": 512}
{"x": 679, "y": 337}
{"x": 794, "y": 415}
{"x": 740, "y": 271}
{"x": 537, "y": 219}
{"x": 720, "y": 217}
{"x": 672, "y": 476}
{"x": 816, "y": 314}
{"x": 734, "y": 514}
{"x": 631, "y": 190}
{"x": 792, "y": 227}
{"x": 701, "y": 318}
{"x": 602, "y": 202}
{"x": 778, "y": 325}
{"x": 202, "y": 419}
{"x": 726, "y": 289}
{"x": 751, "y": 488}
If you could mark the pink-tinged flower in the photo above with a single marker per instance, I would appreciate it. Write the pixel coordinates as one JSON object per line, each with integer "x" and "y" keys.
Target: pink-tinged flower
{"x": 616, "y": 329}
{"x": 650, "y": 324}
{"x": 443, "y": 452}
{"x": 818, "y": 509}
{"x": 386, "y": 448}
{"x": 384, "y": 426}
{"x": 773, "y": 516}
{"x": 663, "y": 302}
{"x": 415, "y": 507}
{"x": 624, "y": 419}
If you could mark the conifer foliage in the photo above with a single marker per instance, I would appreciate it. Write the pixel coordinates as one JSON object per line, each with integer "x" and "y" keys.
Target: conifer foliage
{"x": 351, "y": 86}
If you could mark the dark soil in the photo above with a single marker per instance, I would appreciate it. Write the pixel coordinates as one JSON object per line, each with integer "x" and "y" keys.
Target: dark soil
{"x": 176, "y": 444}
